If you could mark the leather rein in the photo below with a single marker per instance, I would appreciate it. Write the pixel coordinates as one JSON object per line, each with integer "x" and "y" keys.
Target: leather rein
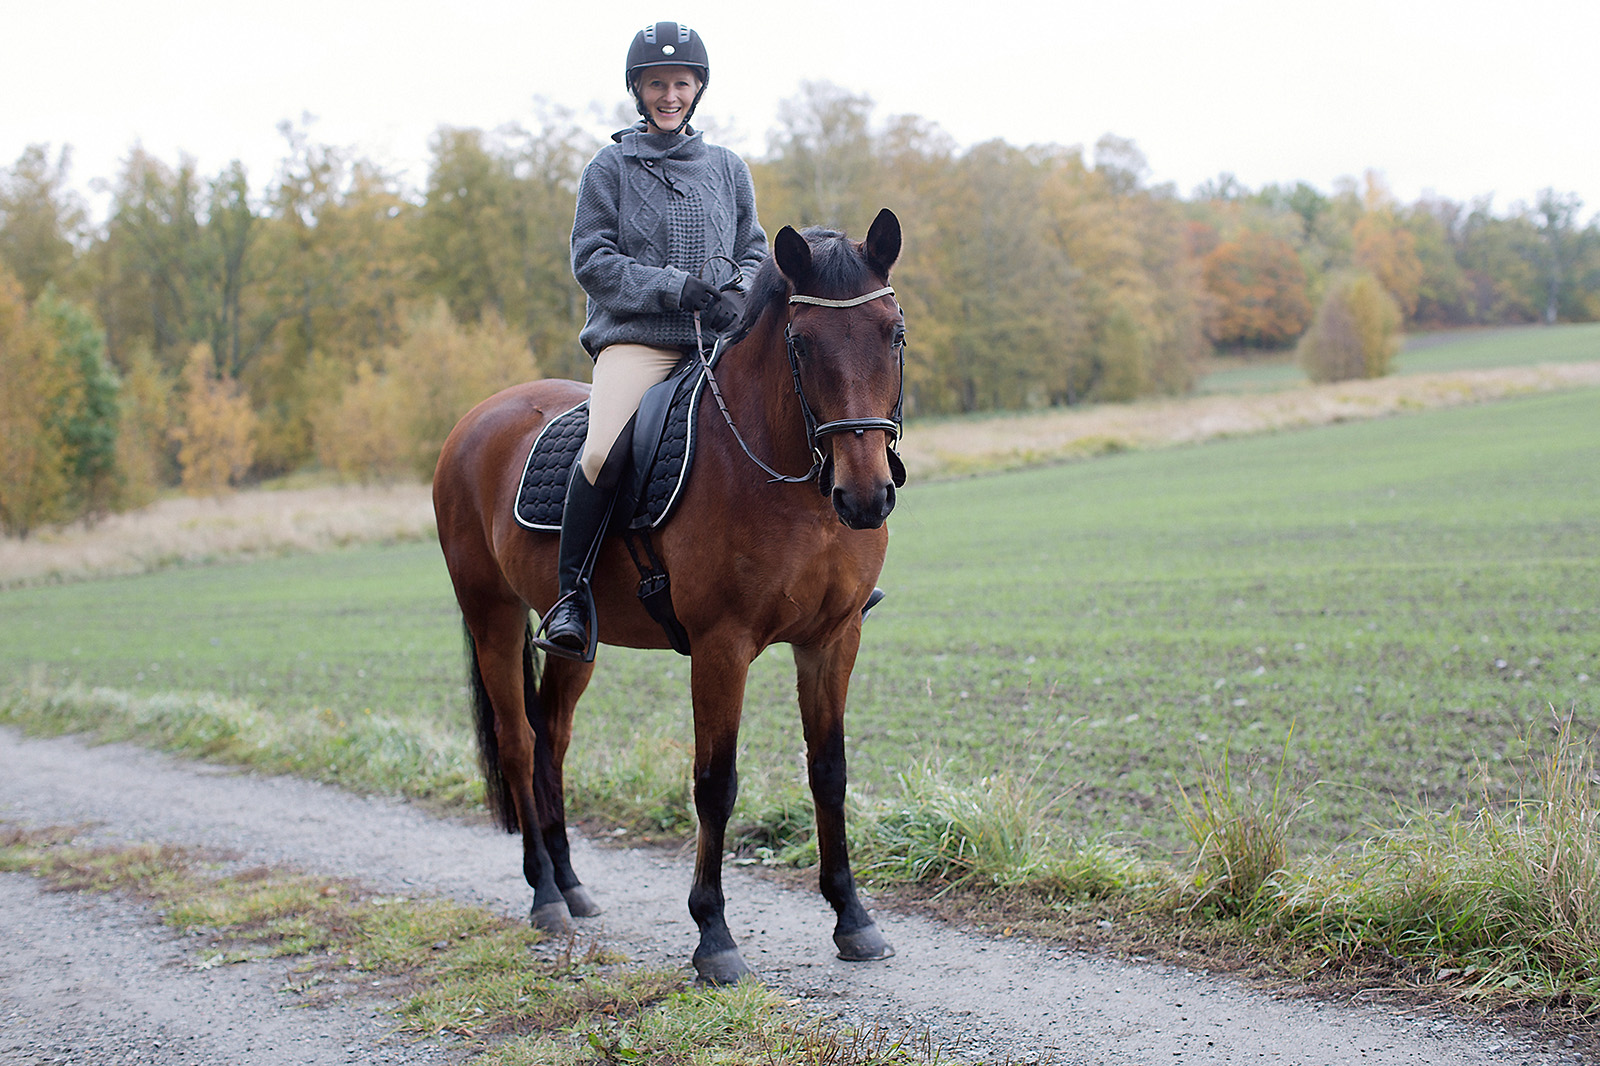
{"x": 815, "y": 431}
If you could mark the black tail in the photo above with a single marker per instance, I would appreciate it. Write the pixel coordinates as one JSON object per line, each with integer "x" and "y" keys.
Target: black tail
{"x": 496, "y": 792}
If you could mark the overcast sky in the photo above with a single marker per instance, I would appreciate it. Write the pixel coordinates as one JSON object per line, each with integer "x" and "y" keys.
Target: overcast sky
{"x": 1460, "y": 98}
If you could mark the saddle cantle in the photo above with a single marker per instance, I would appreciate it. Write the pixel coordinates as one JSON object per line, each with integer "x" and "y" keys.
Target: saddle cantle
{"x": 662, "y": 453}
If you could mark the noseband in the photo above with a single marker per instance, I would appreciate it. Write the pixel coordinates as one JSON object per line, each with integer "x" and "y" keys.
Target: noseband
{"x": 815, "y": 431}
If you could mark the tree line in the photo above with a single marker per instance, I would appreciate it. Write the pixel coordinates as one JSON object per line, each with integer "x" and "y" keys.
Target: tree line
{"x": 209, "y": 331}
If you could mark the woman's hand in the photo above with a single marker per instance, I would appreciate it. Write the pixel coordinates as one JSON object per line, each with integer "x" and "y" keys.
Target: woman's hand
{"x": 696, "y": 295}
{"x": 718, "y": 310}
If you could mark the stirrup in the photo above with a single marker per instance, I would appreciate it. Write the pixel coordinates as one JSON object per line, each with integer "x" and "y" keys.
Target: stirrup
{"x": 872, "y": 601}
{"x": 591, "y": 626}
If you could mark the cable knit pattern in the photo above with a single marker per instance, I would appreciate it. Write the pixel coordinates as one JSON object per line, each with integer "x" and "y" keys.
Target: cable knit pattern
{"x": 653, "y": 208}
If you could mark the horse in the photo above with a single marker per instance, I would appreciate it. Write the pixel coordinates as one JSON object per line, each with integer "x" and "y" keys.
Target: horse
{"x": 813, "y": 376}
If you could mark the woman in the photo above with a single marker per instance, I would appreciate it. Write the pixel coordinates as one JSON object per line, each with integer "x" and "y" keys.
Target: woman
{"x": 655, "y": 207}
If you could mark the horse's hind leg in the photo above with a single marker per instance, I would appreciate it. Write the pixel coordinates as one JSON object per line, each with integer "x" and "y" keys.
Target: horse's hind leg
{"x": 517, "y": 740}
{"x": 563, "y": 683}
{"x": 823, "y": 675}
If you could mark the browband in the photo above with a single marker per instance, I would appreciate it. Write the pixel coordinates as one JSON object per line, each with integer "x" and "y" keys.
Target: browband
{"x": 887, "y": 290}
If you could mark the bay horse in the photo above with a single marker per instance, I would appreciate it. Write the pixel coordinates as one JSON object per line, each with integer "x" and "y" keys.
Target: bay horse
{"x": 812, "y": 377}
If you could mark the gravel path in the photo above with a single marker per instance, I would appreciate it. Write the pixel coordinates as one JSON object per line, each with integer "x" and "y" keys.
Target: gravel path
{"x": 74, "y": 969}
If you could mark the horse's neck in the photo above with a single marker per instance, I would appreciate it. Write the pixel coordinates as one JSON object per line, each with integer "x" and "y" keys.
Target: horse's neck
{"x": 759, "y": 389}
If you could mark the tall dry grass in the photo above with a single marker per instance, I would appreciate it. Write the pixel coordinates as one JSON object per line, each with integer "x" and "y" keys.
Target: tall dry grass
{"x": 193, "y": 530}
{"x": 958, "y": 446}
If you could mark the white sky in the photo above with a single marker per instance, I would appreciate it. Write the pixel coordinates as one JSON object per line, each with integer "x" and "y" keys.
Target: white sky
{"x": 1458, "y": 97}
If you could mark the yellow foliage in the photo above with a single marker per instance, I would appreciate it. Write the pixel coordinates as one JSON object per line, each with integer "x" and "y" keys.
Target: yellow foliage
{"x": 142, "y": 431}
{"x": 362, "y": 436}
{"x": 215, "y": 443}
{"x": 35, "y": 387}
{"x": 1355, "y": 334}
{"x": 397, "y": 419}
{"x": 1388, "y": 251}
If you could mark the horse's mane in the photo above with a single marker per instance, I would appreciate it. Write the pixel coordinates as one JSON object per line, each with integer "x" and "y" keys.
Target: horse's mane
{"x": 838, "y": 271}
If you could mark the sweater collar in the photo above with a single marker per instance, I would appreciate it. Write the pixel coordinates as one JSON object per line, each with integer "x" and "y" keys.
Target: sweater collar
{"x": 637, "y": 140}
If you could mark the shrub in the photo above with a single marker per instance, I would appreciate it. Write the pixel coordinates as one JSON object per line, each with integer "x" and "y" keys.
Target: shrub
{"x": 1355, "y": 334}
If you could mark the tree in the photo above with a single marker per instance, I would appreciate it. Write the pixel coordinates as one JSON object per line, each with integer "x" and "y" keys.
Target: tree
{"x": 1258, "y": 292}
{"x": 35, "y": 389}
{"x": 820, "y": 163}
{"x": 146, "y": 457}
{"x": 1444, "y": 294}
{"x": 1556, "y": 216}
{"x": 89, "y": 419}
{"x": 214, "y": 442}
{"x": 1388, "y": 251}
{"x": 397, "y": 416}
{"x": 40, "y": 220}
{"x": 1355, "y": 334}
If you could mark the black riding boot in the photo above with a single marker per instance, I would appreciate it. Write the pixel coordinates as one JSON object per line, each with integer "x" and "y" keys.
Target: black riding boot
{"x": 568, "y": 628}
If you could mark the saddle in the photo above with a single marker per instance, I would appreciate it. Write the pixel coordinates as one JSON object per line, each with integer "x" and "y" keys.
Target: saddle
{"x": 662, "y": 452}
{"x": 660, "y": 440}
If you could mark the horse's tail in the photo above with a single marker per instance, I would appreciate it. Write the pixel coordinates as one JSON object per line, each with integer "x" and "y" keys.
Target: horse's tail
{"x": 496, "y": 791}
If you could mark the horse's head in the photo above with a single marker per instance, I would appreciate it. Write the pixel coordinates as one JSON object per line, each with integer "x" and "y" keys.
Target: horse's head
{"x": 846, "y": 339}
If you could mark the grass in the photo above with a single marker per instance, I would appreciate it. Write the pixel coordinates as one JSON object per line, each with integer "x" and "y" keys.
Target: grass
{"x": 452, "y": 970}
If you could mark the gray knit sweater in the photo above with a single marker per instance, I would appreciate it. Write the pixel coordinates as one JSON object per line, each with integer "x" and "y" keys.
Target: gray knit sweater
{"x": 653, "y": 207}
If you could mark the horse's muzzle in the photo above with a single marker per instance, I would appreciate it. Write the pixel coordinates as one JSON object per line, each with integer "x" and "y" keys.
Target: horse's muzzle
{"x": 864, "y": 510}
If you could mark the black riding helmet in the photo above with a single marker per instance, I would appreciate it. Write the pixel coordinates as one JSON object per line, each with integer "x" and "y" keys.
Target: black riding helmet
{"x": 667, "y": 44}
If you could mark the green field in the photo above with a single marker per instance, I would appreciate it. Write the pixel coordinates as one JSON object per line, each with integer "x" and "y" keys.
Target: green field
{"x": 1414, "y": 596}
{"x": 1429, "y": 353}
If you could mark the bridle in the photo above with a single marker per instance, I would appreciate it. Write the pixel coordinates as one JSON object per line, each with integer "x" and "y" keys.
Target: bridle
{"x": 816, "y": 431}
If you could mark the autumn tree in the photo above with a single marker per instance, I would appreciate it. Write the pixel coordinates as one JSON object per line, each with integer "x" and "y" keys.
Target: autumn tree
{"x": 1257, "y": 289}
{"x": 493, "y": 236}
{"x": 145, "y": 448}
{"x": 396, "y": 416}
{"x": 40, "y": 218}
{"x": 34, "y": 389}
{"x": 820, "y": 161}
{"x": 1388, "y": 251}
{"x": 1444, "y": 294}
{"x": 1355, "y": 334}
{"x": 214, "y": 441}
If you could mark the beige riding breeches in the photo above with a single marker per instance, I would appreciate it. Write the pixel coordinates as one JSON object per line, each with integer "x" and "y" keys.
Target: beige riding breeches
{"x": 623, "y": 373}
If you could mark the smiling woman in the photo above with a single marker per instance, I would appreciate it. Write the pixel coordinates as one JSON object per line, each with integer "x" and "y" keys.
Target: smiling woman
{"x": 664, "y": 238}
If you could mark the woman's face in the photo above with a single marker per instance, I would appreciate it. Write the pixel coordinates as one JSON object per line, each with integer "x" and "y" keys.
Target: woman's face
{"x": 667, "y": 92}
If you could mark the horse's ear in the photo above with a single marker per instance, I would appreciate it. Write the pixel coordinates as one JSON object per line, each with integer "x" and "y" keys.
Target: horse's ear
{"x": 793, "y": 254}
{"x": 883, "y": 242}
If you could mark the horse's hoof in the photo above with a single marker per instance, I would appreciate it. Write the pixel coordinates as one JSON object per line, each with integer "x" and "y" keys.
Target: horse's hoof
{"x": 862, "y": 945}
{"x": 723, "y": 968}
{"x": 579, "y": 903}
{"x": 551, "y": 918}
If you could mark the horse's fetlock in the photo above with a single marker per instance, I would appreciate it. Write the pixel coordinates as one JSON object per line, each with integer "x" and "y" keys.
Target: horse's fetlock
{"x": 706, "y": 905}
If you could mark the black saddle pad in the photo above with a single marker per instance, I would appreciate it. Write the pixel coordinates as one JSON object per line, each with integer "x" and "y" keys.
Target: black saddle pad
{"x": 663, "y": 451}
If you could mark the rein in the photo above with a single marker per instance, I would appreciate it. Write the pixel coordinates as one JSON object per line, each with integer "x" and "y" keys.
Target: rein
{"x": 893, "y": 425}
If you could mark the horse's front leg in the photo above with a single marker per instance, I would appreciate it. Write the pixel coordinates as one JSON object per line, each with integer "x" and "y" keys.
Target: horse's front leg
{"x": 823, "y": 675}
{"x": 717, "y": 683}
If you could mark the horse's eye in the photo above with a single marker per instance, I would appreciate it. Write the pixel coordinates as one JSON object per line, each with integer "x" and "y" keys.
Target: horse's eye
{"x": 899, "y": 337}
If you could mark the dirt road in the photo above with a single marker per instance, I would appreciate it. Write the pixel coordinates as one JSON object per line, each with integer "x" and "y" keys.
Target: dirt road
{"x": 98, "y": 981}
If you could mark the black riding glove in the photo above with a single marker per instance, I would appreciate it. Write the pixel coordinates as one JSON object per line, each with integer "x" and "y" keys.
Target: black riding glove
{"x": 696, "y": 295}
{"x": 721, "y": 315}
